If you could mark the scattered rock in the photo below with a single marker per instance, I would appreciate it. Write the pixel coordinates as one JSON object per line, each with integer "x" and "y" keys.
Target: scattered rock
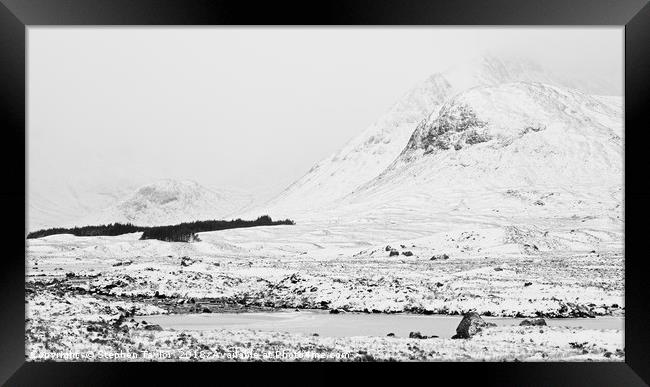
{"x": 418, "y": 335}
{"x": 579, "y": 310}
{"x": 439, "y": 256}
{"x": 470, "y": 325}
{"x": 498, "y": 269}
{"x": 576, "y": 345}
{"x": 335, "y": 311}
{"x": 153, "y": 327}
{"x": 391, "y": 335}
{"x": 315, "y": 334}
{"x": 407, "y": 253}
{"x": 528, "y": 283}
{"x": 388, "y": 248}
{"x": 393, "y": 253}
{"x": 206, "y": 310}
{"x": 533, "y": 322}
{"x": 403, "y": 246}
{"x": 94, "y": 328}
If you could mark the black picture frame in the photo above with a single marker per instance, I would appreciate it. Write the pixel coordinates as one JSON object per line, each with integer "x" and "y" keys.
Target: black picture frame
{"x": 17, "y": 15}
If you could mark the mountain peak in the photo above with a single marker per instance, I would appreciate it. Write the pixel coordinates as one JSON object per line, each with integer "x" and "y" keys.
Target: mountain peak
{"x": 494, "y": 138}
{"x": 369, "y": 154}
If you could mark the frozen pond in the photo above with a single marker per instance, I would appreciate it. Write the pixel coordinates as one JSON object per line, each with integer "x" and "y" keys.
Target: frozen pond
{"x": 351, "y": 324}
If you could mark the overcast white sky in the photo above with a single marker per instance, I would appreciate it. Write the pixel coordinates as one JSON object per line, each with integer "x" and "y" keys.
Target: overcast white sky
{"x": 246, "y": 108}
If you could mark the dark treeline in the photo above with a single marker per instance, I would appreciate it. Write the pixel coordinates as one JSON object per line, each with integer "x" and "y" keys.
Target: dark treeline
{"x": 184, "y": 232}
{"x": 101, "y": 230}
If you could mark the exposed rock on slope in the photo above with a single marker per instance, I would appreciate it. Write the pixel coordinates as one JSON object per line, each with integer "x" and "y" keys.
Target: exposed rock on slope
{"x": 508, "y": 112}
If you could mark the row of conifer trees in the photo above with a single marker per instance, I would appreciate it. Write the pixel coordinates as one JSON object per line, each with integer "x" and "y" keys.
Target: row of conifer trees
{"x": 183, "y": 232}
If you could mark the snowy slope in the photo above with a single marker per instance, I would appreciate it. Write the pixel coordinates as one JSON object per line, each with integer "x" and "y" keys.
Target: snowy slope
{"x": 516, "y": 149}
{"x": 373, "y": 150}
{"x": 168, "y": 202}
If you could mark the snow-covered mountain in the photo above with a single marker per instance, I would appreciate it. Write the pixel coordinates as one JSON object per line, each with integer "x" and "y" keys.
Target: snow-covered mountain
{"x": 515, "y": 149}
{"x": 168, "y": 202}
{"x": 366, "y": 156}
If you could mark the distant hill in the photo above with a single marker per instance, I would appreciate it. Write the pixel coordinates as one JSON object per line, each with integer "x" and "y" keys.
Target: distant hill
{"x": 168, "y": 202}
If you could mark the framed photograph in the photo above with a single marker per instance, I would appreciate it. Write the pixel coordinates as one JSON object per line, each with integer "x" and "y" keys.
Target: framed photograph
{"x": 229, "y": 187}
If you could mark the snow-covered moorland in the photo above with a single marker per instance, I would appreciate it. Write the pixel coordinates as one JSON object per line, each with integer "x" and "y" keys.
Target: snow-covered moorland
{"x": 76, "y": 283}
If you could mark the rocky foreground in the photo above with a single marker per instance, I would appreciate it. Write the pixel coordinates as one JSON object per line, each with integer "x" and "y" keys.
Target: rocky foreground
{"x": 64, "y": 327}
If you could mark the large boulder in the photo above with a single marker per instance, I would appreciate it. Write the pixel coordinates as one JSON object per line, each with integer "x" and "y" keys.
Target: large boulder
{"x": 470, "y": 325}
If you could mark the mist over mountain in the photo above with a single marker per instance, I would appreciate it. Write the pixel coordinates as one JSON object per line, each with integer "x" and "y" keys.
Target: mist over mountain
{"x": 168, "y": 201}
{"x": 61, "y": 203}
{"x": 369, "y": 154}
